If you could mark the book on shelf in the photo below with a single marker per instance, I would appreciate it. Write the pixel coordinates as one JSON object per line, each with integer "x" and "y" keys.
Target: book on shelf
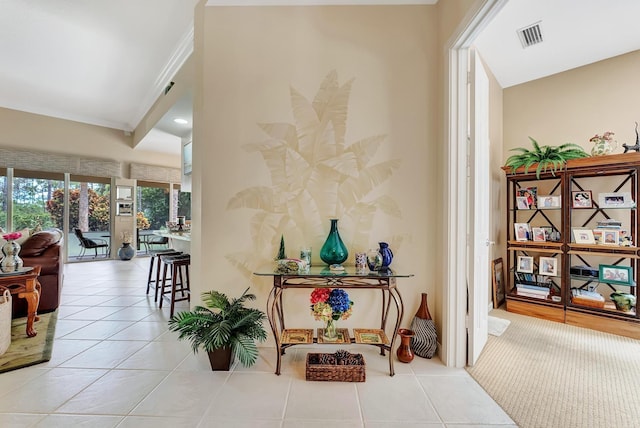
{"x": 532, "y": 289}
{"x": 520, "y": 292}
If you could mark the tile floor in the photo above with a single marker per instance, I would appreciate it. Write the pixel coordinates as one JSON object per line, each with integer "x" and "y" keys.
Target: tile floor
{"x": 114, "y": 364}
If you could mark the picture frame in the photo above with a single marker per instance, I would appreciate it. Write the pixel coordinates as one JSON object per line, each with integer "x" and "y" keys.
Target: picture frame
{"x": 581, "y": 199}
{"x": 525, "y": 264}
{"x": 610, "y": 237}
{"x": 583, "y": 236}
{"x": 548, "y": 266}
{"x": 615, "y": 200}
{"x": 522, "y": 231}
{"x": 370, "y": 336}
{"x": 530, "y": 193}
{"x": 522, "y": 203}
{"x": 538, "y": 234}
{"x": 548, "y": 201}
{"x": 297, "y": 335}
{"x": 497, "y": 276}
{"x": 612, "y": 274}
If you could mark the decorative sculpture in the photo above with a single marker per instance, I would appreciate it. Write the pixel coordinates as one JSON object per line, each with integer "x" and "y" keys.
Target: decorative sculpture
{"x": 635, "y": 147}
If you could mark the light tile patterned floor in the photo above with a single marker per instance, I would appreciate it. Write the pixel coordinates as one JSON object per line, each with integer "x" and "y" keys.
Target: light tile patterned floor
{"x": 114, "y": 364}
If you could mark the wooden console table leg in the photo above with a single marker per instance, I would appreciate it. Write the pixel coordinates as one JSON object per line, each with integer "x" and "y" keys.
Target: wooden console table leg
{"x": 32, "y": 296}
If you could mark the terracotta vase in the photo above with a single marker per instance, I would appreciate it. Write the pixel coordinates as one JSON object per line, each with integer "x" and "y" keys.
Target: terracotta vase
{"x": 425, "y": 341}
{"x": 404, "y": 353}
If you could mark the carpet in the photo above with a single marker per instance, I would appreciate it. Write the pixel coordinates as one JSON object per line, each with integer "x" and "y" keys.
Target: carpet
{"x": 27, "y": 351}
{"x": 548, "y": 374}
{"x": 497, "y": 326}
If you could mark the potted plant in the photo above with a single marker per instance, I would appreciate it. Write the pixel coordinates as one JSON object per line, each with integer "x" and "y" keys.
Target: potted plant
{"x": 225, "y": 328}
{"x": 546, "y": 157}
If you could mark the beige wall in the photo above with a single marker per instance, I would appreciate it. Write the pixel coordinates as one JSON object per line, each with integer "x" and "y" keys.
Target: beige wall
{"x": 251, "y": 57}
{"x": 31, "y": 131}
{"x": 572, "y": 106}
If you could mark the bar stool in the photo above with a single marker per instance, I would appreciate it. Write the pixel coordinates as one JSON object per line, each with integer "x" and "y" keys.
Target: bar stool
{"x": 179, "y": 265}
{"x": 154, "y": 260}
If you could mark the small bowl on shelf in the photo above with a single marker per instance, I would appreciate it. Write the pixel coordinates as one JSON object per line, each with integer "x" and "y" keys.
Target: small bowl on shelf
{"x": 556, "y": 299}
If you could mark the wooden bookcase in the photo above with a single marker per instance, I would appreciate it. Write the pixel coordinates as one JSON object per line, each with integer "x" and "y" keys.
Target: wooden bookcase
{"x": 547, "y": 269}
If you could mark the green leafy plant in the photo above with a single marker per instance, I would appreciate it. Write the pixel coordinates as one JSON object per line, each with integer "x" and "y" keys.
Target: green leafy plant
{"x": 547, "y": 157}
{"x": 223, "y": 323}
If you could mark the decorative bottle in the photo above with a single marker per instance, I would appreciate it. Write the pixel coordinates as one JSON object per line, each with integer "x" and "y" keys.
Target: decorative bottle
{"x": 425, "y": 341}
{"x": 334, "y": 252}
{"x": 404, "y": 353}
{"x": 387, "y": 256}
{"x": 10, "y": 262}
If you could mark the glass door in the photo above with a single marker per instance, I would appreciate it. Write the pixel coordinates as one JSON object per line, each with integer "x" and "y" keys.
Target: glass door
{"x": 90, "y": 212}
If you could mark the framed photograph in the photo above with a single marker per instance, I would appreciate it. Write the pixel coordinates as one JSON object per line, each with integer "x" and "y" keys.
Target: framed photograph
{"x": 581, "y": 199}
{"x": 611, "y": 274}
{"x": 522, "y": 231}
{"x": 370, "y": 336}
{"x": 548, "y": 266}
{"x": 616, "y": 200}
{"x": 499, "y": 292}
{"x": 538, "y": 234}
{"x": 530, "y": 193}
{"x": 297, "y": 335}
{"x": 583, "y": 236}
{"x": 610, "y": 237}
{"x": 522, "y": 202}
{"x": 548, "y": 201}
{"x": 525, "y": 264}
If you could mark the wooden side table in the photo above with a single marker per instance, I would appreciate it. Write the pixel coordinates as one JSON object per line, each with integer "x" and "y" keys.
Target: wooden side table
{"x": 25, "y": 285}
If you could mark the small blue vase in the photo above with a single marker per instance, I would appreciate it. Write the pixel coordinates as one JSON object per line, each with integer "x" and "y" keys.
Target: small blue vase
{"x": 387, "y": 256}
{"x": 126, "y": 252}
{"x": 334, "y": 252}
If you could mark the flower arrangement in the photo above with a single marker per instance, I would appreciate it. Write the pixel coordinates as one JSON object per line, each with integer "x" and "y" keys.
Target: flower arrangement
{"x": 607, "y": 136}
{"x": 12, "y": 236}
{"x": 126, "y": 237}
{"x": 330, "y": 304}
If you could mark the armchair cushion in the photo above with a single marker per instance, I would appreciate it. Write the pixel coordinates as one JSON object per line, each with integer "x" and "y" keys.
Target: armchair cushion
{"x": 38, "y": 243}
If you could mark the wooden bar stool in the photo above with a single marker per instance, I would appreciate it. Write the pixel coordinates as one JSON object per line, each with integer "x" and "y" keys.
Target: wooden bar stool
{"x": 179, "y": 265}
{"x": 154, "y": 260}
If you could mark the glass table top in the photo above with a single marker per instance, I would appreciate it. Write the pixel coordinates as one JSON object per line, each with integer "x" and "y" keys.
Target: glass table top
{"x": 325, "y": 271}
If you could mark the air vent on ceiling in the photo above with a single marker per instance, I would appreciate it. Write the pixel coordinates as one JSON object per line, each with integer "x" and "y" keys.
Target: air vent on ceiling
{"x": 530, "y": 35}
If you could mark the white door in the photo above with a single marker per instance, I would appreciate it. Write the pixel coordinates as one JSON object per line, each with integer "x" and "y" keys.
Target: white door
{"x": 479, "y": 196}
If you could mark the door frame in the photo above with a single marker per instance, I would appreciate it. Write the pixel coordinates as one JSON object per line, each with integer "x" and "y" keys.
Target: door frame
{"x": 456, "y": 209}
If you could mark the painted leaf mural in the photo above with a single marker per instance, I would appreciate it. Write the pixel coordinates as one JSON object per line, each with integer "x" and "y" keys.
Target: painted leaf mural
{"x": 314, "y": 176}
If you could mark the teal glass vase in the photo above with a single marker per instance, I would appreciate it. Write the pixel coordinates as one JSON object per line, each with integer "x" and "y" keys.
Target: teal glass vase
{"x": 334, "y": 252}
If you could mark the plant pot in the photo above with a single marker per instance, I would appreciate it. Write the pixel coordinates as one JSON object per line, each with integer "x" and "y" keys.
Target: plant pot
{"x": 220, "y": 359}
{"x": 126, "y": 252}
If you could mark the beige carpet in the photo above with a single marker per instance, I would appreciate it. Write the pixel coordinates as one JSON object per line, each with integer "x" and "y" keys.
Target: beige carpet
{"x": 26, "y": 351}
{"x": 546, "y": 374}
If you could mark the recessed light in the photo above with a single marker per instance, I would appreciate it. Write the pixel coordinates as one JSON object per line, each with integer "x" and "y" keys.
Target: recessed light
{"x": 181, "y": 121}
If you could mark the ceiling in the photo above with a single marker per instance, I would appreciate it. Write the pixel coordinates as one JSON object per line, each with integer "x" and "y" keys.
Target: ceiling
{"x": 105, "y": 62}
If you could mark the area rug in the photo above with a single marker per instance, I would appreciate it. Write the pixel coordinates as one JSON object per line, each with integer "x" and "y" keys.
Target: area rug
{"x": 547, "y": 374}
{"x": 497, "y": 326}
{"x": 27, "y": 351}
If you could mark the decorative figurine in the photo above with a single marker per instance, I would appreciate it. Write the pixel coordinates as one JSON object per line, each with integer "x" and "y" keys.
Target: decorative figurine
{"x": 635, "y": 147}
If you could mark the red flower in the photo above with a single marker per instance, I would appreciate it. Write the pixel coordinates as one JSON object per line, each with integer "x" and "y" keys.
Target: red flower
{"x": 12, "y": 236}
{"x": 320, "y": 295}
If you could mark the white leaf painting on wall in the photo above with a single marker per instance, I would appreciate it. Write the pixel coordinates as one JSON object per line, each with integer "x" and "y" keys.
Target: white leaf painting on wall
{"x": 315, "y": 176}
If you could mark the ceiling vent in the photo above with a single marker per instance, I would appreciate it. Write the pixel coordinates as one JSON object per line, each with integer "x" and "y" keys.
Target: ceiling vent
{"x": 530, "y": 35}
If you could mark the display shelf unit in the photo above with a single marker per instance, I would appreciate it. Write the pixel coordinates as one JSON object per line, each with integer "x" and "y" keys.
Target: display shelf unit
{"x": 590, "y": 199}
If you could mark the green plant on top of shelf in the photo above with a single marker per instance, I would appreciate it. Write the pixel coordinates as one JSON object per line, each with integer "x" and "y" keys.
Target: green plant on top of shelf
{"x": 547, "y": 157}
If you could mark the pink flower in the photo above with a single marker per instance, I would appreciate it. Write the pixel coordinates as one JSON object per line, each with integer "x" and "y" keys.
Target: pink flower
{"x": 12, "y": 236}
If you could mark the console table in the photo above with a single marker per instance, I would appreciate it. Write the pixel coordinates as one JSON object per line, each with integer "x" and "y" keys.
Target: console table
{"x": 323, "y": 277}
{"x": 24, "y": 283}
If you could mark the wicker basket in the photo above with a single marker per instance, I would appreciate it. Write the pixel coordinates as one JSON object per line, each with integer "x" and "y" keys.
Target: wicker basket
{"x": 5, "y": 320}
{"x": 340, "y": 367}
